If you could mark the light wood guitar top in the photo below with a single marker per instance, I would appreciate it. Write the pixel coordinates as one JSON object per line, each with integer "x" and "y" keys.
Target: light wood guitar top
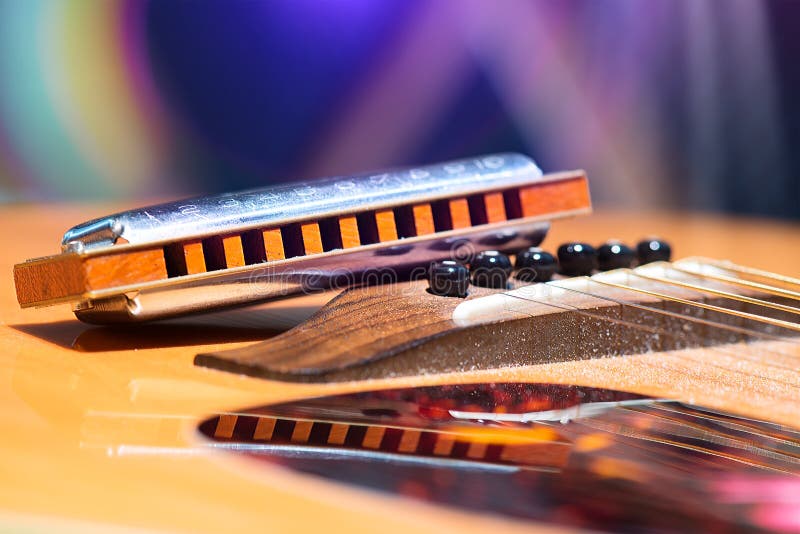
{"x": 98, "y": 425}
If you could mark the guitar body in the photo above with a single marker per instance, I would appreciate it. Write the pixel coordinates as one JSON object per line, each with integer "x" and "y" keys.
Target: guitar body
{"x": 100, "y": 424}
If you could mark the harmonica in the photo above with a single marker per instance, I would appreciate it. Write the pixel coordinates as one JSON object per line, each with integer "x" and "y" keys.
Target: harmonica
{"x": 219, "y": 251}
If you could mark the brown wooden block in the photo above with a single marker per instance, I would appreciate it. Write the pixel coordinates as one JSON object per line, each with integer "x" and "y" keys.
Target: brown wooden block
{"x": 312, "y": 239}
{"x": 348, "y": 226}
{"x": 71, "y": 275}
{"x": 495, "y": 207}
{"x": 234, "y": 253}
{"x": 225, "y": 426}
{"x": 477, "y": 450}
{"x": 54, "y": 278}
{"x": 423, "y": 219}
{"x": 459, "y": 213}
{"x": 301, "y": 431}
{"x": 125, "y": 268}
{"x": 273, "y": 244}
{"x": 264, "y": 428}
{"x": 409, "y": 441}
{"x": 373, "y": 437}
{"x": 387, "y": 230}
{"x": 548, "y": 197}
{"x": 195, "y": 259}
{"x": 444, "y": 444}
{"x": 338, "y": 433}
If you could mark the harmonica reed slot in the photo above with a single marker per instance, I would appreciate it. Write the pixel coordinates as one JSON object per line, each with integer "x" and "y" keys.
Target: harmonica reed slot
{"x": 404, "y": 220}
{"x": 330, "y": 233}
{"x": 355, "y": 436}
{"x": 175, "y": 260}
{"x": 477, "y": 210}
{"x": 442, "y": 221}
{"x": 512, "y": 204}
{"x": 284, "y": 428}
{"x": 253, "y": 247}
{"x": 292, "y": 237}
{"x": 367, "y": 228}
{"x": 319, "y": 433}
{"x": 214, "y": 253}
{"x": 391, "y": 439}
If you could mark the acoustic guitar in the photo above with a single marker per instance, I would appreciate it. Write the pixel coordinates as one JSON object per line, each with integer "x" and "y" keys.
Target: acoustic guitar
{"x": 127, "y": 428}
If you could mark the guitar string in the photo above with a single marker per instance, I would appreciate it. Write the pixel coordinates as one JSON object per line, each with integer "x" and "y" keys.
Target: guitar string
{"x": 717, "y": 349}
{"x": 719, "y": 293}
{"x": 746, "y": 421}
{"x": 711, "y": 307}
{"x": 695, "y": 430}
{"x": 766, "y": 288}
{"x": 729, "y": 350}
{"x": 721, "y": 309}
{"x": 661, "y": 297}
{"x": 639, "y": 434}
{"x": 701, "y": 443}
{"x": 735, "y": 426}
{"x": 741, "y": 271}
{"x": 657, "y": 311}
{"x": 718, "y": 309}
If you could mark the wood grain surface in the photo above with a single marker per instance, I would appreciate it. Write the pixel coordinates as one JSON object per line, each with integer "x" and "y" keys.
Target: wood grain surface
{"x": 99, "y": 423}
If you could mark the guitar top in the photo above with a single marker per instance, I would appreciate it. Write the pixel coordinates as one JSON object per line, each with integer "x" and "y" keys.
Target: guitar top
{"x": 104, "y": 426}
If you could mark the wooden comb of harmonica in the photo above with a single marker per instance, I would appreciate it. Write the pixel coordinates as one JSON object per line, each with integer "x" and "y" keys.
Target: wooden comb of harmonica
{"x": 206, "y": 253}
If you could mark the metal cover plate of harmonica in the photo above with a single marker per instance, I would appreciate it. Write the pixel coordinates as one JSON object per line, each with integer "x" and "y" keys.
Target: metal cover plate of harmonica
{"x": 206, "y": 253}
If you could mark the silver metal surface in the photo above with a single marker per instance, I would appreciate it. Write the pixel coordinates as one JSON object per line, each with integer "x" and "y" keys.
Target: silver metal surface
{"x": 234, "y": 212}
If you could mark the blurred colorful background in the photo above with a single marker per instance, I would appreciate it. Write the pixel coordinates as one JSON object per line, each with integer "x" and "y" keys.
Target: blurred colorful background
{"x": 667, "y": 103}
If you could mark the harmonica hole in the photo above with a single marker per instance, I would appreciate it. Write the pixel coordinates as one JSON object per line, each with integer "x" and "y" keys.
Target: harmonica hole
{"x": 245, "y": 427}
{"x": 319, "y": 433}
{"x": 283, "y": 430}
{"x": 175, "y": 260}
{"x": 367, "y": 227}
{"x": 477, "y": 209}
{"x": 253, "y": 247}
{"x": 292, "y": 237}
{"x": 442, "y": 220}
{"x": 391, "y": 439}
{"x": 331, "y": 235}
{"x": 512, "y": 203}
{"x": 214, "y": 254}
{"x": 355, "y": 436}
{"x": 404, "y": 219}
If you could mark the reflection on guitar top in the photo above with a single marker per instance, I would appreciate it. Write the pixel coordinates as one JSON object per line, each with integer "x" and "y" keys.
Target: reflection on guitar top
{"x": 568, "y": 454}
